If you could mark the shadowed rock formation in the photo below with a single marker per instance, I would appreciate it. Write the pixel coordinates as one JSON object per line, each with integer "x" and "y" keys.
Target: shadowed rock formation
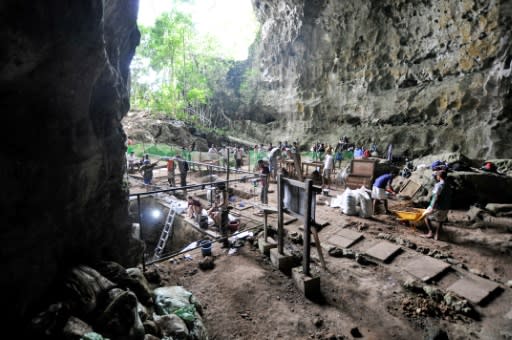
{"x": 64, "y": 89}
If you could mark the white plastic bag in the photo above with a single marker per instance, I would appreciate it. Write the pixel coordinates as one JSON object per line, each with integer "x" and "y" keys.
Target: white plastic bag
{"x": 349, "y": 202}
{"x": 336, "y": 202}
{"x": 365, "y": 201}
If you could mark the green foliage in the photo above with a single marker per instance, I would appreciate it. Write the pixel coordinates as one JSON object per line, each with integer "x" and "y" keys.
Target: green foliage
{"x": 154, "y": 150}
{"x": 175, "y": 72}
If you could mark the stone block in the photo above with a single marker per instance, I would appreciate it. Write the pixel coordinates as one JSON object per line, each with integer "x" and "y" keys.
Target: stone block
{"x": 425, "y": 268}
{"x": 265, "y": 246}
{"x": 308, "y": 285}
{"x": 383, "y": 251}
{"x": 344, "y": 238}
{"x": 284, "y": 263}
{"x": 474, "y": 289}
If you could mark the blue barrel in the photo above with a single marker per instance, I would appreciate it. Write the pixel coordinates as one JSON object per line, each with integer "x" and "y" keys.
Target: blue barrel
{"x": 206, "y": 247}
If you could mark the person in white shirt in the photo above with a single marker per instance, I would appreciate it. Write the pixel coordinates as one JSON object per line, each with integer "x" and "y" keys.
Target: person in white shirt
{"x": 131, "y": 161}
{"x": 239, "y": 153}
{"x": 328, "y": 165}
{"x": 212, "y": 149}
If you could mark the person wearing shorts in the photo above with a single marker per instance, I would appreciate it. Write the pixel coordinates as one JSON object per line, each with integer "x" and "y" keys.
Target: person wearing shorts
{"x": 380, "y": 185}
{"x": 437, "y": 210}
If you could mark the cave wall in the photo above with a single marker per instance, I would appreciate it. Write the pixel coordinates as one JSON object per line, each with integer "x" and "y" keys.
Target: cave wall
{"x": 425, "y": 75}
{"x": 64, "y": 89}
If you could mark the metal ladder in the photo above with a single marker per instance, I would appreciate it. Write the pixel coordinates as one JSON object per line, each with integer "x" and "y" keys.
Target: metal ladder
{"x": 166, "y": 232}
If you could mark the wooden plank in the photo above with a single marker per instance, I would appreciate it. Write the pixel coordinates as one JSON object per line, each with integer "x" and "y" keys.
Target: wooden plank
{"x": 409, "y": 189}
{"x": 290, "y": 221}
{"x": 318, "y": 247}
{"x": 296, "y": 183}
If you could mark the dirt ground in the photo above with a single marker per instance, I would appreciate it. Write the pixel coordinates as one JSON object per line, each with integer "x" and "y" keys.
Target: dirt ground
{"x": 245, "y": 297}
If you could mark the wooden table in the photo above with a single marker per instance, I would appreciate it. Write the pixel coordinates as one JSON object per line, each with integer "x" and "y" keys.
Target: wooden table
{"x": 313, "y": 164}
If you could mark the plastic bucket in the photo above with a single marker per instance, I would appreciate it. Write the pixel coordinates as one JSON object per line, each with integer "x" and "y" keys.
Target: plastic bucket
{"x": 233, "y": 226}
{"x": 206, "y": 247}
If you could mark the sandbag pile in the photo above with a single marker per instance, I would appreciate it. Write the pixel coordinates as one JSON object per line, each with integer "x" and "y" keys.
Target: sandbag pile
{"x": 111, "y": 302}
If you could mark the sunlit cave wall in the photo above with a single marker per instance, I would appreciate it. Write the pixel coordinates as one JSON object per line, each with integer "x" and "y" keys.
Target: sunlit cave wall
{"x": 425, "y": 75}
{"x": 63, "y": 89}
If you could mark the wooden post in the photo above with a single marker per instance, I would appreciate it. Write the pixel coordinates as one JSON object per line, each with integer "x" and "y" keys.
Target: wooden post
{"x": 227, "y": 175}
{"x": 140, "y": 232}
{"x": 265, "y": 227}
{"x": 280, "y": 195}
{"x": 307, "y": 227}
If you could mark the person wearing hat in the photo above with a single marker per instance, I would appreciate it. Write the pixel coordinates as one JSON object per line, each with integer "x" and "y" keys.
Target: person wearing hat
{"x": 440, "y": 201}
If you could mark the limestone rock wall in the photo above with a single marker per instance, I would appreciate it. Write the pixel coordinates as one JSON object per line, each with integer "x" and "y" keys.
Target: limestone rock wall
{"x": 64, "y": 74}
{"x": 425, "y": 75}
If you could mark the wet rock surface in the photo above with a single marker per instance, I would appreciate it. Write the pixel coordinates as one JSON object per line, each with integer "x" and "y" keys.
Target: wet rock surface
{"x": 425, "y": 76}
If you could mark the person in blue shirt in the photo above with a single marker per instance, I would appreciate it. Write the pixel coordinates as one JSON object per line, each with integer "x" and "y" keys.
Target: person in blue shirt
{"x": 380, "y": 185}
{"x": 439, "y": 204}
{"x": 358, "y": 153}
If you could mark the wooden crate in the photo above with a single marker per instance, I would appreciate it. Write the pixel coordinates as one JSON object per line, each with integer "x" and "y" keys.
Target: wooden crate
{"x": 362, "y": 167}
{"x": 361, "y": 173}
{"x": 355, "y": 182}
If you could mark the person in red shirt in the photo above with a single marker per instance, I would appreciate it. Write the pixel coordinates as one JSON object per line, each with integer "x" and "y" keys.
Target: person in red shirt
{"x": 171, "y": 172}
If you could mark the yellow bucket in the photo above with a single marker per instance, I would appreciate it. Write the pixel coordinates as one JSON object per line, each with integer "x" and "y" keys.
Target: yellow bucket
{"x": 413, "y": 215}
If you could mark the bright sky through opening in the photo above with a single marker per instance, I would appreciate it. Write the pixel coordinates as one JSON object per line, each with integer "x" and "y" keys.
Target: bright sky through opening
{"x": 231, "y": 22}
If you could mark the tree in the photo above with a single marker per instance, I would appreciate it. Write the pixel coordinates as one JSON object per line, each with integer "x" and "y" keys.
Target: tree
{"x": 175, "y": 71}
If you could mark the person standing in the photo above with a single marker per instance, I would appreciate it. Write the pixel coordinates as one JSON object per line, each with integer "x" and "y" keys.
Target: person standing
{"x": 238, "y": 157}
{"x": 380, "y": 185}
{"x": 440, "y": 202}
{"x": 295, "y": 155}
{"x": 183, "y": 166}
{"x": 264, "y": 177}
{"x": 147, "y": 171}
{"x": 272, "y": 159}
{"x": 131, "y": 161}
{"x": 171, "y": 172}
{"x": 328, "y": 165}
{"x": 366, "y": 153}
{"x": 389, "y": 152}
{"x": 212, "y": 149}
{"x": 338, "y": 153}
